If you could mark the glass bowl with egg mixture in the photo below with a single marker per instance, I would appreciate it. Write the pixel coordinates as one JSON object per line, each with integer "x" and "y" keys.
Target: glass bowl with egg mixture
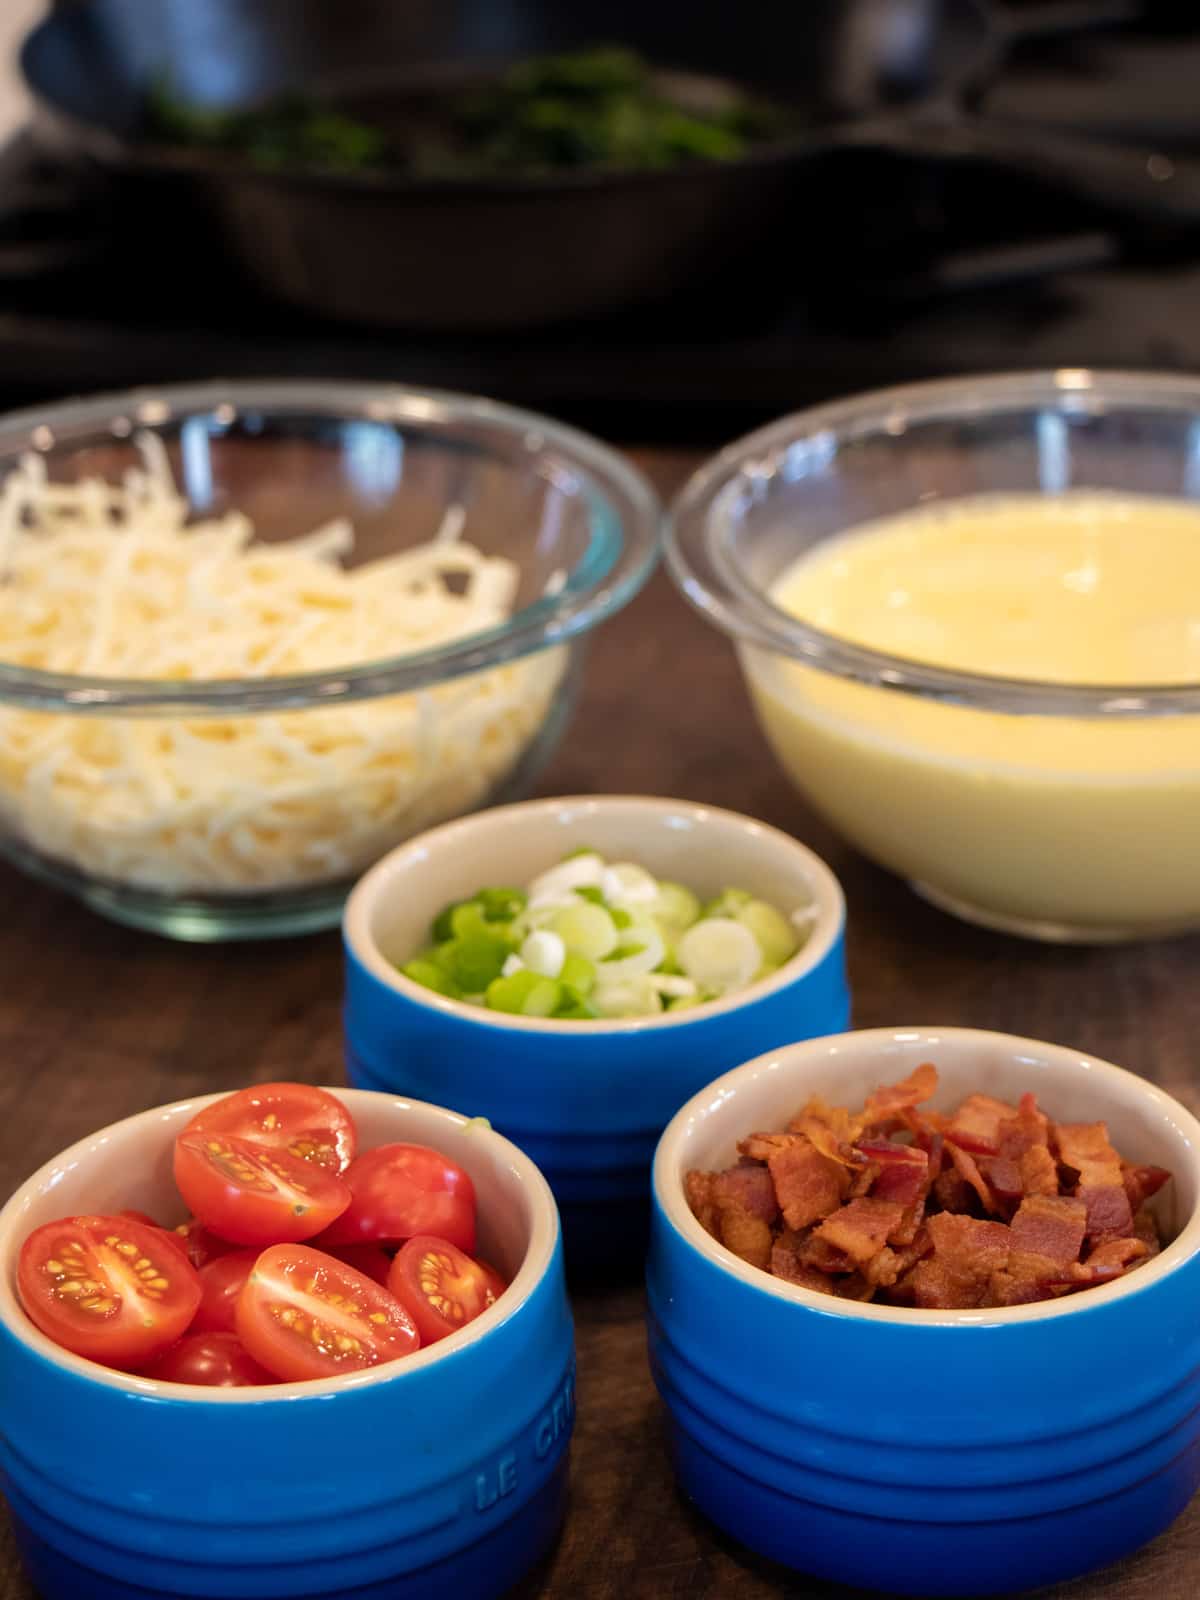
{"x": 968, "y": 614}
{"x": 254, "y": 634}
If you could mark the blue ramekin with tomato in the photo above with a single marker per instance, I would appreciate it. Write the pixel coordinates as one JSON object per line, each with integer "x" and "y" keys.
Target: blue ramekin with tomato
{"x": 335, "y": 1470}
{"x": 587, "y": 1099}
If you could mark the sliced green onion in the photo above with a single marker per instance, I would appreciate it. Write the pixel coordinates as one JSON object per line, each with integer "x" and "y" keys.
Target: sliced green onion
{"x": 476, "y": 959}
{"x": 586, "y": 930}
{"x": 431, "y": 977}
{"x": 502, "y": 904}
{"x": 578, "y": 974}
{"x": 524, "y": 994}
{"x": 728, "y": 903}
{"x": 720, "y": 954}
{"x": 676, "y": 906}
{"x": 775, "y": 934}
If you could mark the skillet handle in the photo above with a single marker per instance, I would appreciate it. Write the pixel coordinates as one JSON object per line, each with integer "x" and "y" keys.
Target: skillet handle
{"x": 1134, "y": 189}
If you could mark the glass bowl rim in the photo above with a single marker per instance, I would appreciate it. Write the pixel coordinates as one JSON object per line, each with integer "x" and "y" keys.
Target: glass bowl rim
{"x": 705, "y": 578}
{"x": 594, "y": 592}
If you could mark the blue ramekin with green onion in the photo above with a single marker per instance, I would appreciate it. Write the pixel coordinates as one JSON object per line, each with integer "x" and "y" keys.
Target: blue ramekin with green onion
{"x": 587, "y": 1096}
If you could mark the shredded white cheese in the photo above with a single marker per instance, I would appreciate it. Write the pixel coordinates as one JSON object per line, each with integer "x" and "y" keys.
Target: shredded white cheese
{"x": 112, "y": 580}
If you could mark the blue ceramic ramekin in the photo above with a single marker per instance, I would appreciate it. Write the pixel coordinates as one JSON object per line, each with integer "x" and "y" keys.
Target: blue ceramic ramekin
{"x": 587, "y": 1100}
{"x": 924, "y": 1452}
{"x": 443, "y": 1473}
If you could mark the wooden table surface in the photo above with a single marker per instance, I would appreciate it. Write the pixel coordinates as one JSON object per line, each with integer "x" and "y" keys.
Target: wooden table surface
{"x": 97, "y": 1022}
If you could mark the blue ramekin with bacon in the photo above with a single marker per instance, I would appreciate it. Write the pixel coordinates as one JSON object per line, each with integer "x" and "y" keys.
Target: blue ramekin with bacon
{"x": 920, "y": 1451}
{"x": 441, "y": 1473}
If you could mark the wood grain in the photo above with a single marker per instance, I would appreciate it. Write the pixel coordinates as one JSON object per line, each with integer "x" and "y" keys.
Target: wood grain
{"x": 97, "y": 1022}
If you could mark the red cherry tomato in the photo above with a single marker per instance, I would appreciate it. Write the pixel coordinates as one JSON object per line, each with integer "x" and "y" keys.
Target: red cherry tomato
{"x": 109, "y": 1288}
{"x": 399, "y": 1190}
{"x": 250, "y": 1194}
{"x": 441, "y": 1288}
{"x": 370, "y": 1259}
{"x": 304, "y": 1315}
{"x": 217, "y": 1360}
{"x": 140, "y": 1216}
{"x": 221, "y": 1282}
{"x": 308, "y": 1123}
{"x": 495, "y": 1282}
{"x": 198, "y": 1244}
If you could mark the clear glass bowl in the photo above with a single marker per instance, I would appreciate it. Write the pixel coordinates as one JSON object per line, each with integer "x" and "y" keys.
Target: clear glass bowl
{"x": 131, "y": 793}
{"x": 1058, "y": 812}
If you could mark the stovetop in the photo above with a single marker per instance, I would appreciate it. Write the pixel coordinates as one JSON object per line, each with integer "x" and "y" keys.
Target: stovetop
{"x": 1002, "y": 274}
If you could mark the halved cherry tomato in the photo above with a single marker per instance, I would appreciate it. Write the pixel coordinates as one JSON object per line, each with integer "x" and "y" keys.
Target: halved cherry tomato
{"x": 370, "y": 1259}
{"x": 307, "y": 1122}
{"x": 198, "y": 1244}
{"x": 252, "y": 1195}
{"x": 304, "y": 1315}
{"x": 173, "y": 1235}
{"x": 140, "y": 1216}
{"x": 217, "y": 1360}
{"x": 441, "y": 1288}
{"x": 221, "y": 1282}
{"x": 399, "y": 1190}
{"x": 495, "y": 1281}
{"x": 109, "y": 1288}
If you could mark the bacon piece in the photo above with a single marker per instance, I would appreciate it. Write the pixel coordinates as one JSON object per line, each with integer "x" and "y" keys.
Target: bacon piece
{"x": 762, "y": 1146}
{"x": 863, "y": 1180}
{"x": 748, "y": 1186}
{"x": 1003, "y": 1178}
{"x": 831, "y": 1128}
{"x": 966, "y": 1252}
{"x": 1051, "y": 1226}
{"x": 1025, "y": 1278}
{"x": 1039, "y": 1171}
{"x": 1115, "y": 1256}
{"x": 861, "y": 1228}
{"x": 1141, "y": 1182}
{"x": 1145, "y": 1228}
{"x": 903, "y": 1171}
{"x": 854, "y": 1286}
{"x": 952, "y": 1191}
{"x": 822, "y": 1256}
{"x": 1027, "y": 1129}
{"x": 808, "y": 1185}
{"x": 746, "y": 1235}
{"x": 1085, "y": 1146}
{"x": 697, "y": 1187}
{"x": 892, "y": 1100}
{"x": 975, "y": 1126}
{"x": 967, "y": 1169}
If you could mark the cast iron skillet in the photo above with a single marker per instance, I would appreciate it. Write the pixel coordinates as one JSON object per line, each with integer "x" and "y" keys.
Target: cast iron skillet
{"x": 899, "y": 75}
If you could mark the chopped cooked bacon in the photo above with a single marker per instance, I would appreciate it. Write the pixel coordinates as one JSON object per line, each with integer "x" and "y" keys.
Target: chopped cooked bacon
{"x": 903, "y": 1172}
{"x": 844, "y": 1205}
{"x": 952, "y": 1191}
{"x": 1003, "y": 1178}
{"x": 1146, "y": 1229}
{"x": 697, "y": 1186}
{"x": 837, "y": 1119}
{"x": 1115, "y": 1256}
{"x": 863, "y": 1180}
{"x": 1085, "y": 1146}
{"x": 966, "y": 1252}
{"x": 762, "y": 1146}
{"x": 975, "y": 1126}
{"x": 893, "y": 1100}
{"x": 1027, "y": 1129}
{"x": 1050, "y": 1226}
{"x": 822, "y": 1256}
{"x": 1039, "y": 1170}
{"x": 1141, "y": 1182}
{"x": 968, "y": 1170}
{"x": 860, "y": 1229}
{"x": 749, "y": 1186}
{"x": 808, "y": 1185}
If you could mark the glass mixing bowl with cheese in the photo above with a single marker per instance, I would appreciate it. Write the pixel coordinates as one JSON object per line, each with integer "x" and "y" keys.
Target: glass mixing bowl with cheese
{"x": 252, "y": 635}
{"x": 968, "y": 614}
